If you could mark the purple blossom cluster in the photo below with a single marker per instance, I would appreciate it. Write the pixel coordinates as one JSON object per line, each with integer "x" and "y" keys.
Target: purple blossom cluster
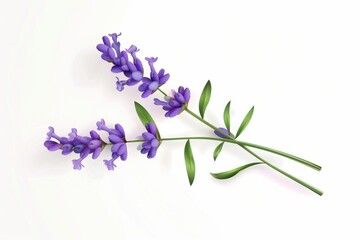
{"x": 82, "y": 145}
{"x": 176, "y": 104}
{"x": 151, "y": 143}
{"x": 132, "y": 69}
{"x": 93, "y": 144}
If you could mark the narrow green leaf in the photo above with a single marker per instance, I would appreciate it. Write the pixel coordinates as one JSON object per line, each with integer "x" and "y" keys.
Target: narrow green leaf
{"x": 218, "y": 150}
{"x": 227, "y": 116}
{"x": 145, "y": 117}
{"x": 233, "y": 172}
{"x": 189, "y": 162}
{"x": 245, "y": 122}
{"x": 205, "y": 98}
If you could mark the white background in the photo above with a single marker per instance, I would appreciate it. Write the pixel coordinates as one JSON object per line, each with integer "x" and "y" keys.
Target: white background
{"x": 296, "y": 61}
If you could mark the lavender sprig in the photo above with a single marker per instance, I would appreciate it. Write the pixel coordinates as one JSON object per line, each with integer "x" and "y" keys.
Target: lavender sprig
{"x": 150, "y": 140}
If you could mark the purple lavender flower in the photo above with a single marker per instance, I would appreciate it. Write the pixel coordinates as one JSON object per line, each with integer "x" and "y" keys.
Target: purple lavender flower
{"x": 111, "y": 52}
{"x": 225, "y": 131}
{"x": 151, "y": 143}
{"x": 176, "y": 104}
{"x": 116, "y": 137}
{"x": 156, "y": 80}
{"x": 75, "y": 143}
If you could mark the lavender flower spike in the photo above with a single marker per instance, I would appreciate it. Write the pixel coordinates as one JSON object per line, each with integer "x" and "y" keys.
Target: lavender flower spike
{"x": 151, "y": 143}
{"x": 176, "y": 104}
{"x": 150, "y": 85}
{"x": 111, "y": 52}
{"x": 75, "y": 144}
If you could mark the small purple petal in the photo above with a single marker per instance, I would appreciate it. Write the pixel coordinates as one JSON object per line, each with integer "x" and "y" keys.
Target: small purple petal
{"x": 115, "y": 139}
{"x": 152, "y": 153}
{"x": 116, "y": 147}
{"x": 147, "y": 136}
{"x": 120, "y": 129}
{"x": 164, "y": 79}
{"x": 145, "y": 150}
{"x": 187, "y": 94}
{"x": 111, "y": 53}
{"x": 151, "y": 128}
{"x": 96, "y": 153}
{"x": 100, "y": 124}
{"x": 137, "y": 75}
{"x": 106, "y": 41}
{"x": 50, "y": 133}
{"x": 122, "y": 149}
{"x": 174, "y": 104}
{"x": 77, "y": 164}
{"x": 131, "y": 82}
{"x": 132, "y": 49}
{"x": 147, "y": 93}
{"x": 102, "y": 48}
{"x": 180, "y": 98}
{"x": 79, "y": 148}
{"x": 131, "y": 67}
{"x": 124, "y": 156}
{"x": 120, "y": 85}
{"x": 142, "y": 87}
{"x": 73, "y": 134}
{"x": 110, "y": 164}
{"x": 51, "y": 145}
{"x": 174, "y": 112}
{"x": 154, "y": 85}
{"x": 106, "y": 57}
{"x": 85, "y": 152}
{"x": 158, "y": 102}
{"x": 94, "y": 135}
{"x": 116, "y": 69}
{"x": 154, "y": 143}
{"x": 146, "y": 80}
{"x": 94, "y": 144}
{"x": 66, "y": 149}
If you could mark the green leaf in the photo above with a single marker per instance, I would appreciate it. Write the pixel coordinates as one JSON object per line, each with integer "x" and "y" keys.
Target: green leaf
{"x": 145, "y": 117}
{"x": 205, "y": 98}
{"x": 189, "y": 162}
{"x": 233, "y": 172}
{"x": 245, "y": 122}
{"x": 218, "y": 150}
{"x": 227, "y": 116}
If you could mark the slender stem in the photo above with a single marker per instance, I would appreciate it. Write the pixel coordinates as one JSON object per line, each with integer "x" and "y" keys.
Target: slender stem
{"x": 207, "y": 123}
{"x": 284, "y": 154}
{"x": 281, "y": 153}
{"x": 162, "y": 92}
{"x": 310, "y": 187}
{"x": 134, "y": 141}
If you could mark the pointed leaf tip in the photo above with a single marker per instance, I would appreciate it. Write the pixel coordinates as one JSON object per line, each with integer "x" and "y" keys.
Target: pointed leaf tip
{"x": 245, "y": 122}
{"x": 205, "y": 98}
{"x": 218, "y": 150}
{"x": 227, "y": 116}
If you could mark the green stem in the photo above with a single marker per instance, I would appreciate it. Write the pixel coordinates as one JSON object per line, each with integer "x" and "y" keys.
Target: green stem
{"x": 162, "y": 92}
{"x": 284, "y": 154}
{"x": 310, "y": 187}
